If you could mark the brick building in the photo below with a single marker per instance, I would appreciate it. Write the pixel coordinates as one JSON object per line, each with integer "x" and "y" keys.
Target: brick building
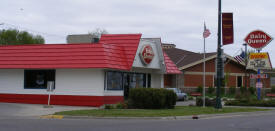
{"x": 191, "y": 64}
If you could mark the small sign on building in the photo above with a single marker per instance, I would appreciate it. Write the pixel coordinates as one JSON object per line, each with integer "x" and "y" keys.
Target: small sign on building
{"x": 259, "y": 61}
{"x": 256, "y": 76}
{"x": 259, "y": 85}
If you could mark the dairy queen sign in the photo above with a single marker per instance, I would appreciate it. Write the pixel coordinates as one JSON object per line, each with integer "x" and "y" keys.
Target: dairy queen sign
{"x": 258, "y": 39}
{"x": 146, "y": 54}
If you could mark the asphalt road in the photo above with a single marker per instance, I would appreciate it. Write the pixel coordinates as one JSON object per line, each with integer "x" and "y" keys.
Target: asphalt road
{"x": 262, "y": 122}
{"x": 242, "y": 122}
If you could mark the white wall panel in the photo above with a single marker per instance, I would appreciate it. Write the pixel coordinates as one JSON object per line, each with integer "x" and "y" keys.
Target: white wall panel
{"x": 79, "y": 82}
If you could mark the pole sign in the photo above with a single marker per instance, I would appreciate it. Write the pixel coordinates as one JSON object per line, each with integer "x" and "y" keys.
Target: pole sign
{"x": 256, "y": 76}
{"x": 259, "y": 61}
{"x": 259, "y": 85}
{"x": 227, "y": 28}
{"x": 258, "y": 39}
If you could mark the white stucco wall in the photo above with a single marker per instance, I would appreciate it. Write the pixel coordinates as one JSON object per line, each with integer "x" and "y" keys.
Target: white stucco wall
{"x": 79, "y": 82}
{"x": 88, "y": 82}
{"x": 12, "y": 81}
{"x": 68, "y": 82}
{"x": 157, "y": 81}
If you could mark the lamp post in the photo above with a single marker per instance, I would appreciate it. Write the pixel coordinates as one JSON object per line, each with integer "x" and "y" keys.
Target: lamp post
{"x": 218, "y": 104}
{"x": 245, "y": 75}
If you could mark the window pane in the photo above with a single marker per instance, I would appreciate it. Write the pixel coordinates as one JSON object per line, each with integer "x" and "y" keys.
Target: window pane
{"x": 37, "y": 79}
{"x": 114, "y": 81}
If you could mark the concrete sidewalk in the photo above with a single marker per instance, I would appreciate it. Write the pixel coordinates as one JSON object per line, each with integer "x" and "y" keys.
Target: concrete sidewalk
{"x": 15, "y": 109}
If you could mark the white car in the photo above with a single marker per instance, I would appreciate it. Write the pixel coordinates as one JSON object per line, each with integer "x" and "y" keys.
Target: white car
{"x": 180, "y": 95}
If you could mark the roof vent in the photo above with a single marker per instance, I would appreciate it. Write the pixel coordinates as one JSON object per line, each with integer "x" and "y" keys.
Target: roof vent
{"x": 82, "y": 38}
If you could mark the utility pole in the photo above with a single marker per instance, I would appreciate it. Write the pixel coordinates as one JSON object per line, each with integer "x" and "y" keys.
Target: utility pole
{"x": 219, "y": 61}
{"x": 245, "y": 60}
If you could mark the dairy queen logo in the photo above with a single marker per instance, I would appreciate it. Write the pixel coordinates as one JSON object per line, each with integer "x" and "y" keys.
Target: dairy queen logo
{"x": 146, "y": 54}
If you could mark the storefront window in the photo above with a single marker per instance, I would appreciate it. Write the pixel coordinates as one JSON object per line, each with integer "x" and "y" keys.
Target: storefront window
{"x": 37, "y": 79}
{"x": 122, "y": 80}
{"x": 114, "y": 81}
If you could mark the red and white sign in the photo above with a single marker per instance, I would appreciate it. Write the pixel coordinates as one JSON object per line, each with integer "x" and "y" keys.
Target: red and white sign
{"x": 146, "y": 54}
{"x": 259, "y": 85}
{"x": 258, "y": 39}
{"x": 255, "y": 76}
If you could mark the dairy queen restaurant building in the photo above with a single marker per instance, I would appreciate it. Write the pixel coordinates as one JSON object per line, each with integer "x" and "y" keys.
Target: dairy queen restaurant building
{"x": 83, "y": 74}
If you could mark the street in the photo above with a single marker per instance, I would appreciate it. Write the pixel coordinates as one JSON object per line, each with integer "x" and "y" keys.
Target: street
{"x": 263, "y": 122}
{"x": 12, "y": 121}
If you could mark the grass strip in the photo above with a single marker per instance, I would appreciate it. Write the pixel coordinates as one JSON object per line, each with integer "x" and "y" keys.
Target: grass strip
{"x": 178, "y": 111}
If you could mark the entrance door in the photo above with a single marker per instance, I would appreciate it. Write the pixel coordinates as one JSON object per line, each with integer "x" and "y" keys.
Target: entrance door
{"x": 134, "y": 80}
{"x": 126, "y": 85}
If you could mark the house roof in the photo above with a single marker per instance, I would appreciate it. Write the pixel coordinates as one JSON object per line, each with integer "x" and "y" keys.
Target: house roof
{"x": 184, "y": 59}
{"x": 114, "y": 52}
{"x": 171, "y": 68}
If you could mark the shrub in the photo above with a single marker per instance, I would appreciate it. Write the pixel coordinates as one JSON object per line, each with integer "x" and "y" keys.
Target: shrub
{"x": 210, "y": 90}
{"x": 222, "y": 90}
{"x": 208, "y": 101}
{"x": 252, "y": 90}
{"x": 109, "y": 106}
{"x": 190, "y": 98}
{"x": 243, "y": 89}
{"x": 262, "y": 103}
{"x": 152, "y": 98}
{"x": 122, "y": 105}
{"x": 272, "y": 89}
{"x": 232, "y": 90}
{"x": 199, "y": 89}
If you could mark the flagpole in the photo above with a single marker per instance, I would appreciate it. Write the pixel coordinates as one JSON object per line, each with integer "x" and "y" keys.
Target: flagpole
{"x": 204, "y": 68}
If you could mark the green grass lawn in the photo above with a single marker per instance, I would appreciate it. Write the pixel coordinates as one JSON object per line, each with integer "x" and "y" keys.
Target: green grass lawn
{"x": 178, "y": 111}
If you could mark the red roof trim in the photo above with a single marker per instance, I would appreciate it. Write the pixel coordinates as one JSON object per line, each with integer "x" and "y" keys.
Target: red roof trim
{"x": 111, "y": 53}
{"x": 171, "y": 67}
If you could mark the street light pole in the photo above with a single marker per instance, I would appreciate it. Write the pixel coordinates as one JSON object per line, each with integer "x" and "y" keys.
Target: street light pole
{"x": 245, "y": 76}
{"x": 219, "y": 61}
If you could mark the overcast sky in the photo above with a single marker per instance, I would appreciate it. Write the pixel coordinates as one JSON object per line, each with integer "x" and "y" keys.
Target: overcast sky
{"x": 175, "y": 21}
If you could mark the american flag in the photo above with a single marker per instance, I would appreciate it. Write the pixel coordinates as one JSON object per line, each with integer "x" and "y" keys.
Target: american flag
{"x": 240, "y": 58}
{"x": 206, "y": 32}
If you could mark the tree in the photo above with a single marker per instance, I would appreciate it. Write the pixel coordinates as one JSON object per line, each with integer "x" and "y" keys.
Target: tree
{"x": 97, "y": 32}
{"x": 16, "y": 37}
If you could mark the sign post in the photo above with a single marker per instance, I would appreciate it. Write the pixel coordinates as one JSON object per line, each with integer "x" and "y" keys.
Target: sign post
{"x": 258, "y": 39}
{"x": 50, "y": 88}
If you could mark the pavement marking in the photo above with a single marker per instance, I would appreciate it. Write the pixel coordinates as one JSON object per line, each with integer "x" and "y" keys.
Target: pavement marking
{"x": 52, "y": 117}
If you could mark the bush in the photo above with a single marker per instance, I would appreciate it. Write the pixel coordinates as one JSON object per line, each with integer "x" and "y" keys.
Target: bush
{"x": 243, "y": 89}
{"x": 208, "y": 101}
{"x": 252, "y": 90}
{"x": 262, "y": 103}
{"x": 232, "y": 90}
{"x": 272, "y": 89}
{"x": 199, "y": 89}
{"x": 122, "y": 105}
{"x": 210, "y": 90}
{"x": 151, "y": 98}
{"x": 222, "y": 90}
{"x": 109, "y": 107}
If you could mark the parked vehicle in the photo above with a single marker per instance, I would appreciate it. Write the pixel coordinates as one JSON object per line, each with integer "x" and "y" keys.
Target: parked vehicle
{"x": 181, "y": 95}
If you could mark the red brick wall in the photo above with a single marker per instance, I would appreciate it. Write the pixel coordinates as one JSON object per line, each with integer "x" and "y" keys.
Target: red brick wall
{"x": 197, "y": 80}
{"x": 232, "y": 81}
{"x": 209, "y": 67}
{"x": 194, "y": 80}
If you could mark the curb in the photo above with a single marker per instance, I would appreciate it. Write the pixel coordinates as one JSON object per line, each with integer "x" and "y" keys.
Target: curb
{"x": 189, "y": 117}
{"x": 52, "y": 117}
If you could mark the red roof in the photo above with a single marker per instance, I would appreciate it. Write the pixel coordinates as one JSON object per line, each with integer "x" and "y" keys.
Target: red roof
{"x": 171, "y": 67}
{"x": 98, "y": 55}
{"x": 128, "y": 42}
